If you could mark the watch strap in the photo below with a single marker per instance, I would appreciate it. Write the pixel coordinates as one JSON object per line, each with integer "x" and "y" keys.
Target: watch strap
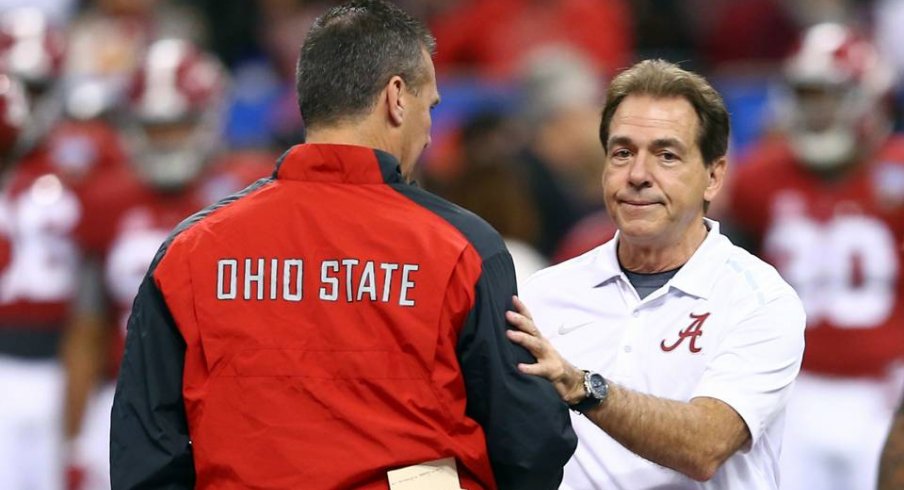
{"x": 586, "y": 404}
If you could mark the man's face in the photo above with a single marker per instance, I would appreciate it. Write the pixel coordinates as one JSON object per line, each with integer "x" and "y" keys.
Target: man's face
{"x": 170, "y": 155}
{"x": 417, "y": 122}
{"x": 654, "y": 179}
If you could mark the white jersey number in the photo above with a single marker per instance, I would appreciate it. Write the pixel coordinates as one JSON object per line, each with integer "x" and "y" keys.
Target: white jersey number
{"x": 44, "y": 258}
{"x": 845, "y": 270}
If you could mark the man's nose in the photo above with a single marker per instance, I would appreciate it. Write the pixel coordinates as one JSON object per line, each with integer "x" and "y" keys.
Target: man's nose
{"x": 639, "y": 170}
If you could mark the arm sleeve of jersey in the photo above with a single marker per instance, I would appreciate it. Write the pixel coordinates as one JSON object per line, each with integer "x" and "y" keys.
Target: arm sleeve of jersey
{"x": 757, "y": 362}
{"x": 527, "y": 427}
{"x": 149, "y": 441}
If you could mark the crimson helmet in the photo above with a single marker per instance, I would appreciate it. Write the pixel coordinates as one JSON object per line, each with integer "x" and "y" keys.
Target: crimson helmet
{"x": 13, "y": 113}
{"x": 31, "y": 47}
{"x": 175, "y": 109}
{"x": 834, "y": 105}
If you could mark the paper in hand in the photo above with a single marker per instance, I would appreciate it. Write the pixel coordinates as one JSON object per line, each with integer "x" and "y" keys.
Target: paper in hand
{"x": 441, "y": 474}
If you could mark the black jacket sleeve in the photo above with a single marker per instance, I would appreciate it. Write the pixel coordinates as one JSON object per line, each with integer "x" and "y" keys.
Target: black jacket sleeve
{"x": 149, "y": 441}
{"x": 527, "y": 426}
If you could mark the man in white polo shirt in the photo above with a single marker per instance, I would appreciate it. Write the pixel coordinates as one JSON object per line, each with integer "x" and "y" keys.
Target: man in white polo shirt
{"x": 686, "y": 346}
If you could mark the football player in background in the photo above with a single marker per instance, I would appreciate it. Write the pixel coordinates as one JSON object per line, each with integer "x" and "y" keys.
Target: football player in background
{"x": 60, "y": 136}
{"x": 41, "y": 213}
{"x": 174, "y": 117}
{"x": 824, "y": 203}
{"x": 55, "y": 138}
{"x": 38, "y": 267}
{"x": 58, "y": 158}
{"x": 32, "y": 49}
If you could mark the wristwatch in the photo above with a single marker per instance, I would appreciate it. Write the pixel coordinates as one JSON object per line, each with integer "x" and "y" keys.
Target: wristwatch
{"x": 596, "y": 389}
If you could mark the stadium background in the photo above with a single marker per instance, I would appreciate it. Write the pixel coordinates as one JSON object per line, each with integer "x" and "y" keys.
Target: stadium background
{"x": 522, "y": 84}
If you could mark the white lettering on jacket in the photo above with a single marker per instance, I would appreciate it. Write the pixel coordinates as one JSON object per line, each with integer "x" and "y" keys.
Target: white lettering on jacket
{"x": 348, "y": 280}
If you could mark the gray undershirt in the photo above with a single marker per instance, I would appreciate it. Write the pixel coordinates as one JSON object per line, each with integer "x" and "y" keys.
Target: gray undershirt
{"x": 645, "y": 284}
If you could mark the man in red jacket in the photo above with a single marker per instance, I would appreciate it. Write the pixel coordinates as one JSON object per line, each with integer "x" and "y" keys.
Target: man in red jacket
{"x": 334, "y": 322}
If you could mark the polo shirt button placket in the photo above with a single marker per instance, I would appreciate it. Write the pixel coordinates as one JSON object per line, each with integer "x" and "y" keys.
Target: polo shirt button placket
{"x": 634, "y": 326}
{"x": 626, "y": 366}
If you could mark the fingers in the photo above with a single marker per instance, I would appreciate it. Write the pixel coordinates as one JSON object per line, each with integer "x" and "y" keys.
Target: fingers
{"x": 535, "y": 370}
{"x": 523, "y": 323}
{"x": 528, "y": 336}
{"x": 533, "y": 344}
{"x": 548, "y": 363}
{"x": 521, "y": 308}
{"x": 536, "y": 346}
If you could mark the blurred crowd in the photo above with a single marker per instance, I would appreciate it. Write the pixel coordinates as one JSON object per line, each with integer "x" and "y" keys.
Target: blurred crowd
{"x": 120, "y": 118}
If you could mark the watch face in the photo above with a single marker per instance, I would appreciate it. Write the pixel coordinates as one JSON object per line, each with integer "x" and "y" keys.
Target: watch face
{"x": 598, "y": 386}
{"x": 596, "y": 389}
{"x": 597, "y": 381}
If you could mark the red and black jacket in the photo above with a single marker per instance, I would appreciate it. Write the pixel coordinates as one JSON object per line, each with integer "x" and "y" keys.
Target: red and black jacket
{"x": 325, "y": 326}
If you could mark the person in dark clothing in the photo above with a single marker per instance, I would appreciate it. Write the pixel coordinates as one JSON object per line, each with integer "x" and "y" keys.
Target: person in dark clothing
{"x": 334, "y": 322}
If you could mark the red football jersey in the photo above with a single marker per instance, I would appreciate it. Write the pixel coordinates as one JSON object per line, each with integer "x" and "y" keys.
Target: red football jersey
{"x": 838, "y": 242}
{"x": 42, "y": 215}
{"x": 79, "y": 152}
{"x": 42, "y": 219}
{"x": 39, "y": 257}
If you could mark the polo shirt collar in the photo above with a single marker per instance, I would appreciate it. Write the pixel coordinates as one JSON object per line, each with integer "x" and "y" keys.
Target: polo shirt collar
{"x": 697, "y": 276}
{"x": 605, "y": 264}
{"x": 345, "y": 164}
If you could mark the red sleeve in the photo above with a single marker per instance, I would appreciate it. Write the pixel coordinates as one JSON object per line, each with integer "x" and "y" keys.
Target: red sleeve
{"x": 103, "y": 200}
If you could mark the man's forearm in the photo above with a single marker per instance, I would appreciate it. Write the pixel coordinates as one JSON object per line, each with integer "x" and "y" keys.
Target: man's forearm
{"x": 693, "y": 438}
{"x": 891, "y": 468}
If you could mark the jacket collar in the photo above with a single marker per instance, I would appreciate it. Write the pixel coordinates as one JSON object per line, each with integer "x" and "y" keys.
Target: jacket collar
{"x": 344, "y": 164}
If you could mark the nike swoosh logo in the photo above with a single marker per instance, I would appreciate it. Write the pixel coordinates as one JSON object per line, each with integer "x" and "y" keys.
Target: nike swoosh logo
{"x": 566, "y": 329}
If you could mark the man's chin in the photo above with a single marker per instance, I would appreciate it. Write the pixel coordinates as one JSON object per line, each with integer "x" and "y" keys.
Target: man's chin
{"x": 639, "y": 229}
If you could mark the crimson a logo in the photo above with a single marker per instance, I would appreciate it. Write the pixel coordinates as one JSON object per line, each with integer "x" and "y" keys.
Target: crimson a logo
{"x": 692, "y": 332}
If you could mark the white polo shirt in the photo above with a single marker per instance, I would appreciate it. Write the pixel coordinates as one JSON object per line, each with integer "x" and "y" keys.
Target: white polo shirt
{"x": 743, "y": 341}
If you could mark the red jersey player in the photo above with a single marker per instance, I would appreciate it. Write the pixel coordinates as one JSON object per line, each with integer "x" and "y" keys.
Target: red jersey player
{"x": 172, "y": 136}
{"x": 42, "y": 212}
{"x": 40, "y": 216}
{"x": 825, "y": 204}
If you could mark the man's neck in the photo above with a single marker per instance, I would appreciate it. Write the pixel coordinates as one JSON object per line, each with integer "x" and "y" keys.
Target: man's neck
{"x": 360, "y": 134}
{"x": 660, "y": 255}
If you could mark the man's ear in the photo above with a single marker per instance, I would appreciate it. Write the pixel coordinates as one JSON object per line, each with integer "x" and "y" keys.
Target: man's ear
{"x": 395, "y": 100}
{"x": 716, "y": 178}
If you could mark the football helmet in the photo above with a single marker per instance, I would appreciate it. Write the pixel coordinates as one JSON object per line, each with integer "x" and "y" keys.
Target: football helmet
{"x": 31, "y": 47}
{"x": 176, "y": 101}
{"x": 834, "y": 101}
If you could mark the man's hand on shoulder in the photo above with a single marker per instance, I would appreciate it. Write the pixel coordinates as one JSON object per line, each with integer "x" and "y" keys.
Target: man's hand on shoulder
{"x": 567, "y": 379}
{"x": 694, "y": 438}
